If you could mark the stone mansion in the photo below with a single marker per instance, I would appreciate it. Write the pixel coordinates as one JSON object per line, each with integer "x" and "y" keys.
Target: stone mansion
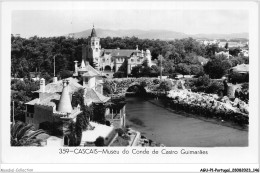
{"x": 112, "y": 59}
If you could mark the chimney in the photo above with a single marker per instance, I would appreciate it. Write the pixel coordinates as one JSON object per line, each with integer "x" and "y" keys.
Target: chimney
{"x": 55, "y": 79}
{"x": 65, "y": 101}
{"x": 42, "y": 85}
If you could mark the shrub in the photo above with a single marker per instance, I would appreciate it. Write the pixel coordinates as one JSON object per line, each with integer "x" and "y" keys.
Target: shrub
{"x": 245, "y": 86}
{"x": 100, "y": 141}
{"x": 126, "y": 137}
{"x": 108, "y": 123}
{"x": 165, "y": 85}
{"x": 215, "y": 87}
{"x": 156, "y": 81}
{"x": 99, "y": 113}
{"x": 120, "y": 132}
{"x": 65, "y": 74}
{"x": 235, "y": 77}
{"x": 119, "y": 74}
{"x": 110, "y": 137}
{"x": 107, "y": 89}
{"x": 203, "y": 80}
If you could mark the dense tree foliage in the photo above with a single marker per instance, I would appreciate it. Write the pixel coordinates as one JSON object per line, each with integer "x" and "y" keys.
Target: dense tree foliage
{"x": 99, "y": 113}
{"x": 37, "y": 55}
{"x": 22, "y": 92}
{"x": 179, "y": 56}
{"x": 165, "y": 85}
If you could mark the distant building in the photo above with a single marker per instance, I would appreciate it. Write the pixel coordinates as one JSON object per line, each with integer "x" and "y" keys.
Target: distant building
{"x": 242, "y": 69}
{"x": 223, "y": 53}
{"x": 244, "y": 52}
{"x": 71, "y": 35}
{"x": 208, "y": 42}
{"x": 232, "y": 44}
{"x": 112, "y": 59}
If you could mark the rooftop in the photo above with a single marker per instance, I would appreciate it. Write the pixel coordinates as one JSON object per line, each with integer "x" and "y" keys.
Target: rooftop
{"x": 89, "y": 68}
{"x": 99, "y": 130}
{"x": 241, "y": 68}
{"x": 56, "y": 87}
{"x": 93, "y": 96}
{"x": 120, "y": 52}
{"x": 52, "y": 100}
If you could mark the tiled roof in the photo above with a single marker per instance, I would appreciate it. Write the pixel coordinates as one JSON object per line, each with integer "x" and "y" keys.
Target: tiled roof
{"x": 49, "y": 101}
{"x": 120, "y": 52}
{"x": 89, "y": 73}
{"x": 56, "y": 87}
{"x": 89, "y": 68}
{"x": 94, "y": 96}
{"x": 32, "y": 102}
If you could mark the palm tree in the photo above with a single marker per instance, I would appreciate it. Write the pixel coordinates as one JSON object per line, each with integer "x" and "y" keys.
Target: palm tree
{"x": 23, "y": 134}
{"x": 73, "y": 132}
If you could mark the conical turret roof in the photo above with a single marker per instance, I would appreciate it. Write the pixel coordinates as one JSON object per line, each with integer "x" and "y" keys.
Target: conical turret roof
{"x": 65, "y": 103}
{"x": 83, "y": 64}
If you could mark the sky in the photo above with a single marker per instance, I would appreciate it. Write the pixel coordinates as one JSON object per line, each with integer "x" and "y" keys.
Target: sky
{"x": 48, "y": 23}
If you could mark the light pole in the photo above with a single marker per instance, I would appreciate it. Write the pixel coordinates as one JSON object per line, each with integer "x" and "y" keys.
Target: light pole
{"x": 161, "y": 67}
{"x": 54, "y": 65}
{"x": 13, "y": 113}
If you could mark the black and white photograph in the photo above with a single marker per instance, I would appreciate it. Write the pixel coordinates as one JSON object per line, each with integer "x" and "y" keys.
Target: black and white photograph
{"x": 101, "y": 75}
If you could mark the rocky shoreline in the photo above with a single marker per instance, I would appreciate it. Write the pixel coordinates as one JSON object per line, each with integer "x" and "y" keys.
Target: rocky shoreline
{"x": 209, "y": 106}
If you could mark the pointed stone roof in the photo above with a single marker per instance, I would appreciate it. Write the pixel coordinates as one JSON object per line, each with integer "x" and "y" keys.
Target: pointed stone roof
{"x": 65, "y": 102}
{"x": 93, "y": 32}
{"x": 82, "y": 64}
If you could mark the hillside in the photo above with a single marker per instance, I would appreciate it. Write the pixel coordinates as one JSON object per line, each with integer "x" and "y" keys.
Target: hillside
{"x": 156, "y": 34}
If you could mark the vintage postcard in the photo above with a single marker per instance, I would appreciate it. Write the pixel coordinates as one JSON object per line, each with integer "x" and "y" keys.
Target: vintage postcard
{"x": 166, "y": 83}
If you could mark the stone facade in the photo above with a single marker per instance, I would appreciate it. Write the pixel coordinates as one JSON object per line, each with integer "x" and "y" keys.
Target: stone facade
{"x": 112, "y": 59}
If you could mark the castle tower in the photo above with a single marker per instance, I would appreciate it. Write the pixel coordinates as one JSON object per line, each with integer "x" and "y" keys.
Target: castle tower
{"x": 94, "y": 48}
{"x": 65, "y": 103}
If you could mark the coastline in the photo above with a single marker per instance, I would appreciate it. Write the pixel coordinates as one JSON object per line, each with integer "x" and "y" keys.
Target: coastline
{"x": 196, "y": 116}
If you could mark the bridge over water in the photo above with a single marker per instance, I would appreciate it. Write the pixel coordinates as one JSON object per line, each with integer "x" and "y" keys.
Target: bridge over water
{"x": 120, "y": 85}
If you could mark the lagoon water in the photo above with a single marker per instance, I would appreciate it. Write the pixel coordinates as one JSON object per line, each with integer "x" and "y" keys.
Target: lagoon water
{"x": 173, "y": 129}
